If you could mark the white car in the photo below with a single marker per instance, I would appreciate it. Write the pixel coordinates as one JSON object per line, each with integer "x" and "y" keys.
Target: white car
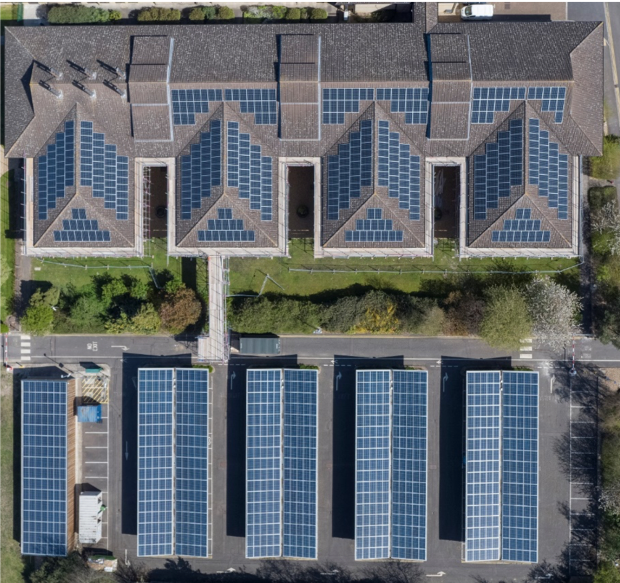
{"x": 477, "y": 12}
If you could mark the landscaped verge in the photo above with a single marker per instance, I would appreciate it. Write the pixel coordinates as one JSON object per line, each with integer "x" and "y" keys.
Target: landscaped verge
{"x": 7, "y": 250}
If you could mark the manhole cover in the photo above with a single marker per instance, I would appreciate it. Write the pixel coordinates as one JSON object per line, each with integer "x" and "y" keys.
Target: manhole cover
{"x": 160, "y": 212}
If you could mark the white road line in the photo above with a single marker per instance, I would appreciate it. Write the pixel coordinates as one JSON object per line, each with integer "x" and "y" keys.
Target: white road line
{"x": 24, "y": 358}
{"x": 25, "y": 336}
{"x": 25, "y": 350}
{"x": 95, "y": 447}
{"x": 99, "y": 432}
{"x": 25, "y": 344}
{"x": 526, "y": 349}
{"x": 95, "y": 477}
{"x": 95, "y": 462}
{"x": 523, "y": 356}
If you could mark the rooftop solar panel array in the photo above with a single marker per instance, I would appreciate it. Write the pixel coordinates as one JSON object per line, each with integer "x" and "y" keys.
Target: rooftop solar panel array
{"x": 553, "y": 99}
{"x": 104, "y": 170}
{"x": 44, "y": 468}
{"x": 399, "y": 170}
{"x": 412, "y": 102}
{"x": 261, "y": 102}
{"x": 191, "y": 463}
{"x": 548, "y": 169}
{"x": 155, "y": 462}
{"x": 482, "y": 487}
{"x": 498, "y": 169}
{"x": 391, "y": 465}
{"x": 56, "y": 170}
{"x": 521, "y": 229}
{"x": 186, "y": 103}
{"x": 250, "y": 171}
{"x": 337, "y": 102}
{"x": 349, "y": 170}
{"x": 79, "y": 229}
{"x": 225, "y": 229}
{"x": 502, "y": 467}
{"x": 201, "y": 169}
{"x": 373, "y": 229}
{"x": 281, "y": 464}
{"x": 520, "y": 467}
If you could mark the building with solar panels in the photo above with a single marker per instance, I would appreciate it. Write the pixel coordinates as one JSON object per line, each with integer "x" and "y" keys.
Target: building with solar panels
{"x": 48, "y": 467}
{"x": 391, "y": 448}
{"x": 174, "y": 462}
{"x": 507, "y": 107}
{"x": 501, "y": 474}
{"x": 281, "y": 464}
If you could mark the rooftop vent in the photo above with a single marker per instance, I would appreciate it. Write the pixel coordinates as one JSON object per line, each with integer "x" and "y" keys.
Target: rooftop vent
{"x": 120, "y": 73}
{"x": 52, "y": 90}
{"x": 83, "y": 87}
{"x": 56, "y": 73}
{"x": 115, "y": 88}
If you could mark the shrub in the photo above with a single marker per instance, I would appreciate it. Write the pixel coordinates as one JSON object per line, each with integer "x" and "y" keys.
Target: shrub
{"x": 278, "y": 12}
{"x": 76, "y": 14}
{"x": 506, "y": 319}
{"x": 598, "y": 196}
{"x": 279, "y": 315}
{"x": 180, "y": 310}
{"x": 209, "y": 12}
{"x": 157, "y": 14}
{"x": 318, "y": 14}
{"x": 115, "y": 15}
{"x": 304, "y": 13}
{"x": 39, "y": 316}
{"x": 607, "y": 166}
{"x": 293, "y": 14}
{"x": 225, "y": 13}
{"x": 87, "y": 312}
{"x": 197, "y": 13}
{"x": 464, "y": 313}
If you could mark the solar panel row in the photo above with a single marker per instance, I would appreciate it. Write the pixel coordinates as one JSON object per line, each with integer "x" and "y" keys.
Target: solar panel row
{"x": 498, "y": 169}
{"x": 502, "y": 466}
{"x": 281, "y": 489}
{"x": 399, "y": 170}
{"x": 548, "y": 168}
{"x": 412, "y": 102}
{"x": 391, "y": 458}
{"x": 349, "y": 170}
{"x": 374, "y": 229}
{"x": 173, "y": 458}
{"x": 56, "y": 170}
{"x": 337, "y": 102}
{"x": 522, "y": 229}
{"x": 188, "y": 102}
{"x": 103, "y": 170}
{"x": 261, "y": 102}
{"x": 44, "y": 485}
{"x": 250, "y": 171}
{"x": 80, "y": 229}
{"x": 201, "y": 169}
{"x": 225, "y": 228}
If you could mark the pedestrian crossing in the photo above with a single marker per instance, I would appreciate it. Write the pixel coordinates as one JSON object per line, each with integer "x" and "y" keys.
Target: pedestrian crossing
{"x": 24, "y": 347}
{"x": 526, "y": 348}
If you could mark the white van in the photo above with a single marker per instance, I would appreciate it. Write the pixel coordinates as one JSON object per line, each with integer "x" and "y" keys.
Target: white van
{"x": 477, "y": 12}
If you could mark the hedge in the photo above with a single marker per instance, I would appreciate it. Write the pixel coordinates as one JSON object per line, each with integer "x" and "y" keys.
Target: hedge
{"x": 599, "y": 196}
{"x": 607, "y": 166}
{"x": 293, "y": 14}
{"x": 76, "y": 14}
{"x": 318, "y": 14}
{"x": 159, "y": 15}
{"x": 225, "y": 13}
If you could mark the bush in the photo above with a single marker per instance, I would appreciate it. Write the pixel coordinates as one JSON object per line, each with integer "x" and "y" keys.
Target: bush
{"x": 115, "y": 15}
{"x": 159, "y": 15}
{"x": 76, "y": 14}
{"x": 197, "y": 13}
{"x": 87, "y": 312}
{"x": 304, "y": 13}
{"x": 293, "y": 14}
{"x": 225, "y": 13}
{"x": 598, "y": 196}
{"x": 39, "y": 316}
{"x": 278, "y": 12}
{"x": 318, "y": 14}
{"x": 180, "y": 310}
{"x": 607, "y": 166}
{"x": 506, "y": 320}
{"x": 464, "y": 313}
{"x": 209, "y": 12}
{"x": 279, "y": 315}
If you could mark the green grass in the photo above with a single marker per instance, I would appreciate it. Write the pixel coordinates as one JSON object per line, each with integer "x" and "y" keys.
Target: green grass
{"x": 247, "y": 275}
{"x": 11, "y": 564}
{"x": 7, "y": 244}
{"x": 9, "y": 11}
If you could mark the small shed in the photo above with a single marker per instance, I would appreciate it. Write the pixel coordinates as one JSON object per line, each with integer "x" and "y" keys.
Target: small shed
{"x": 89, "y": 413}
{"x": 91, "y": 516}
{"x": 259, "y": 345}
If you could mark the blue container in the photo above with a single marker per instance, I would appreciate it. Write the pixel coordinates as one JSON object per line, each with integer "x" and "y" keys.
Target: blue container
{"x": 89, "y": 414}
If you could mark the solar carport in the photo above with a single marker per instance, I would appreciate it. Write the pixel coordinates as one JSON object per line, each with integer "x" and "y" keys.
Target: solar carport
{"x": 502, "y": 467}
{"x": 391, "y": 464}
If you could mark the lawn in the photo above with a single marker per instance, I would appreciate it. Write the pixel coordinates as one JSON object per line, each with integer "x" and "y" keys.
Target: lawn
{"x": 9, "y": 11}
{"x": 248, "y": 275}
{"x": 7, "y": 247}
{"x": 11, "y": 564}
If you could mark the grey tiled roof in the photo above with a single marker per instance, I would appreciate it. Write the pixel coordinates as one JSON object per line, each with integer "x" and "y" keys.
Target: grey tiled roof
{"x": 151, "y": 123}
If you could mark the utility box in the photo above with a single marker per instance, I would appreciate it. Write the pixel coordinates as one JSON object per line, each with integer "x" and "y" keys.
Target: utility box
{"x": 91, "y": 517}
{"x": 89, "y": 413}
{"x": 259, "y": 345}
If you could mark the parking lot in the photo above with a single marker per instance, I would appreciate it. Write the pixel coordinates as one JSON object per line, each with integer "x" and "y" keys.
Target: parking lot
{"x": 562, "y": 503}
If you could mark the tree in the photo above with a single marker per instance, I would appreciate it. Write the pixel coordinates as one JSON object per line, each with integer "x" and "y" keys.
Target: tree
{"x": 39, "y": 316}
{"x": 553, "y": 309}
{"x": 378, "y": 315}
{"x": 607, "y": 572}
{"x": 607, "y": 166}
{"x": 87, "y": 312}
{"x": 70, "y": 569}
{"x": 112, "y": 290}
{"x": 606, "y": 229}
{"x": 506, "y": 320}
{"x": 278, "y": 315}
{"x": 146, "y": 321}
{"x": 609, "y": 322}
{"x": 180, "y": 310}
{"x": 225, "y": 13}
{"x": 464, "y": 313}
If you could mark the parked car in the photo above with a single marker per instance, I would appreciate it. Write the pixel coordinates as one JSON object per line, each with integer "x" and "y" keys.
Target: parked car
{"x": 477, "y": 11}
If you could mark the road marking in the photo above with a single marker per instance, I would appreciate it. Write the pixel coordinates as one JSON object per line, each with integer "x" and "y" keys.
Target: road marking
{"x": 25, "y": 336}
{"x": 25, "y": 358}
{"x": 99, "y": 432}
{"x": 613, "y": 57}
{"x": 95, "y": 477}
{"x": 95, "y": 462}
{"x": 522, "y": 356}
{"x": 25, "y": 343}
{"x": 25, "y": 351}
{"x": 526, "y": 349}
{"x": 96, "y": 447}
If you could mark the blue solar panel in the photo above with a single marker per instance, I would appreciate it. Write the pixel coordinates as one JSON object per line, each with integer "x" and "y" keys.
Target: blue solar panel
{"x": 498, "y": 169}
{"x": 520, "y": 467}
{"x": 349, "y": 170}
{"x": 201, "y": 169}
{"x": 155, "y": 462}
{"x": 482, "y": 489}
{"x": 44, "y": 468}
{"x": 250, "y": 171}
{"x": 374, "y": 229}
{"x": 521, "y": 229}
{"x": 264, "y": 464}
{"x": 225, "y": 228}
{"x": 372, "y": 465}
{"x": 104, "y": 170}
{"x": 412, "y": 102}
{"x": 299, "y": 519}
{"x": 409, "y": 459}
{"x": 188, "y": 102}
{"x": 548, "y": 168}
{"x": 56, "y": 170}
{"x": 337, "y": 102}
{"x": 192, "y": 463}
{"x": 553, "y": 99}
{"x": 260, "y": 102}
{"x": 80, "y": 229}
{"x": 399, "y": 171}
